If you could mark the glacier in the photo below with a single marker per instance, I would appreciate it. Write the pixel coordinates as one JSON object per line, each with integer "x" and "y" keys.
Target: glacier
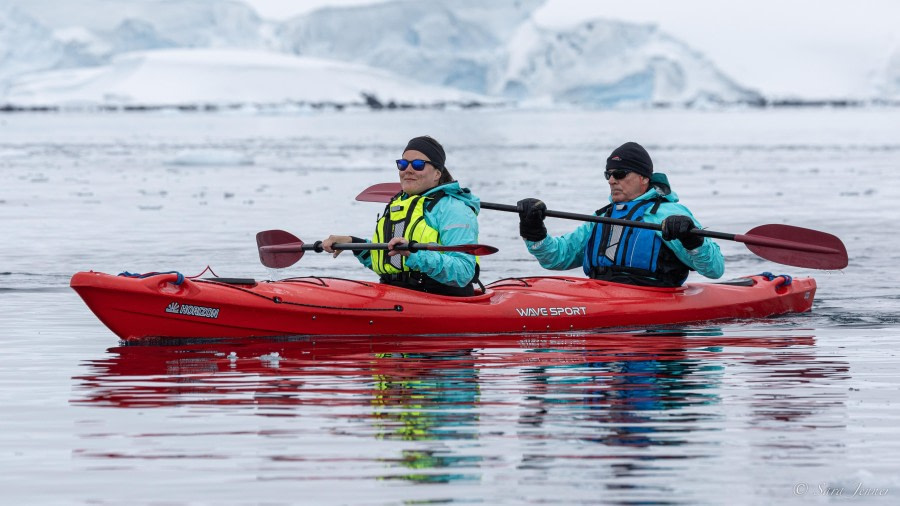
{"x": 25, "y": 46}
{"x": 460, "y": 44}
{"x": 409, "y": 52}
{"x": 219, "y": 78}
{"x": 606, "y": 62}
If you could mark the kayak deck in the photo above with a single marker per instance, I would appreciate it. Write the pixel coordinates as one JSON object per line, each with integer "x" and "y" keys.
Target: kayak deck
{"x": 155, "y": 306}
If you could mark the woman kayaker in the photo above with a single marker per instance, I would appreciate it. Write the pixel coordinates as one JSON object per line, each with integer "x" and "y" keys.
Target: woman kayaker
{"x": 431, "y": 207}
{"x": 626, "y": 254}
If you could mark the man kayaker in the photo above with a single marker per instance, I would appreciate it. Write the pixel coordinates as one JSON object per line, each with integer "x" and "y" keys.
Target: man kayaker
{"x": 629, "y": 255}
{"x": 431, "y": 207}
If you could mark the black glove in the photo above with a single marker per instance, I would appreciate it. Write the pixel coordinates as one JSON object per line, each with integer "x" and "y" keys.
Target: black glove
{"x": 531, "y": 219}
{"x": 679, "y": 227}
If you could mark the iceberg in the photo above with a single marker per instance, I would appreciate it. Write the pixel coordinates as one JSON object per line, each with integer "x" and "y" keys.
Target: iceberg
{"x": 605, "y": 62}
{"x": 497, "y": 49}
{"x": 204, "y": 54}
{"x": 223, "y": 78}
{"x": 25, "y": 45}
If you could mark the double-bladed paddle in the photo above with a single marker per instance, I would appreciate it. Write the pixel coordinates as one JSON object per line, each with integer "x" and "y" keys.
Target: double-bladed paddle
{"x": 279, "y": 249}
{"x": 784, "y": 244}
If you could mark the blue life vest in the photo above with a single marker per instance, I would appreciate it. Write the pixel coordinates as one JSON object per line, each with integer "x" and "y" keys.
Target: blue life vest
{"x": 635, "y": 256}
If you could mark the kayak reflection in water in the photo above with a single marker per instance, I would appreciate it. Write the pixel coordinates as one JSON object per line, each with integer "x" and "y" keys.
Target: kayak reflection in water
{"x": 431, "y": 208}
{"x": 628, "y": 255}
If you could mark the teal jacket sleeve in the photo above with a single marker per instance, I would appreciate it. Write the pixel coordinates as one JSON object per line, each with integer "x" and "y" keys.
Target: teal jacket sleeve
{"x": 707, "y": 259}
{"x": 563, "y": 252}
{"x": 457, "y": 223}
{"x": 365, "y": 257}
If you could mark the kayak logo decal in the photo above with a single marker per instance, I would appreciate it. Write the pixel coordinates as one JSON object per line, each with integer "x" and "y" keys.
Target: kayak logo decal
{"x": 187, "y": 309}
{"x": 552, "y": 311}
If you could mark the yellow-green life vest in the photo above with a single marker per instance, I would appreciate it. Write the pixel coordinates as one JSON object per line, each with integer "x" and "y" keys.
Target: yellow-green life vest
{"x": 403, "y": 217}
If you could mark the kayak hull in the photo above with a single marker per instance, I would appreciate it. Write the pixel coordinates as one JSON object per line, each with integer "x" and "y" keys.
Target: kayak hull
{"x": 155, "y": 306}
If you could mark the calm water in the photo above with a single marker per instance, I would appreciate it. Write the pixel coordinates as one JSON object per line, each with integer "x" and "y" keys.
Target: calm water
{"x": 792, "y": 409}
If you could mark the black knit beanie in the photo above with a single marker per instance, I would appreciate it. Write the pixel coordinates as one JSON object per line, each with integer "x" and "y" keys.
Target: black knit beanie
{"x": 430, "y": 148}
{"x": 631, "y": 156}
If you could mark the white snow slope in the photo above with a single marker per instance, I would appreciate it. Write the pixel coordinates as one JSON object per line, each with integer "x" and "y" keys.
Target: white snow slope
{"x": 164, "y": 52}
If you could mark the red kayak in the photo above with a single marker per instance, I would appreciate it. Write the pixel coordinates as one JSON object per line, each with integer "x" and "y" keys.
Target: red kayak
{"x": 167, "y": 305}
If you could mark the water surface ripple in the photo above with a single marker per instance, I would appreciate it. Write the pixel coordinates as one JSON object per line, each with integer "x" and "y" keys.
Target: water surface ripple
{"x": 798, "y": 408}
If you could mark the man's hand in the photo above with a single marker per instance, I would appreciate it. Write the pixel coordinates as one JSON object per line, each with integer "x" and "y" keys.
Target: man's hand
{"x": 679, "y": 227}
{"x": 531, "y": 219}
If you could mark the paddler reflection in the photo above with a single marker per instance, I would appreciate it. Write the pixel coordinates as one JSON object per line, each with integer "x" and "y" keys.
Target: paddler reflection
{"x": 427, "y": 397}
{"x": 424, "y": 395}
{"x": 622, "y": 389}
{"x": 628, "y": 394}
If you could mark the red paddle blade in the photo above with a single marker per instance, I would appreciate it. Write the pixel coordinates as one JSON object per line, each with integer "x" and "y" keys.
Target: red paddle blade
{"x": 797, "y": 246}
{"x": 381, "y": 192}
{"x": 483, "y": 249}
{"x": 472, "y": 249}
{"x": 271, "y": 257}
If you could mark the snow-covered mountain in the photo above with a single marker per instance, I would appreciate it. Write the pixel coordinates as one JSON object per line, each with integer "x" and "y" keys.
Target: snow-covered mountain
{"x": 152, "y": 52}
{"x": 88, "y": 33}
{"x": 25, "y": 46}
{"x": 495, "y": 48}
{"x": 461, "y": 44}
{"x": 147, "y": 24}
{"x": 218, "y": 77}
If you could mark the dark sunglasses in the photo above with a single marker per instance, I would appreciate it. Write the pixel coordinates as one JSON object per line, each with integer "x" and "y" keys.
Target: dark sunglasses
{"x": 618, "y": 173}
{"x": 416, "y": 164}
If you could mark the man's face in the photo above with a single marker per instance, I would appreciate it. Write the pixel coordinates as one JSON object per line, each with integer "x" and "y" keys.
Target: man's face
{"x": 630, "y": 187}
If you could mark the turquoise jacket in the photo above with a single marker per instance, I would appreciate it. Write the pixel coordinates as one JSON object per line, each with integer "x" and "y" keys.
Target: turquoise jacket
{"x": 567, "y": 251}
{"x": 455, "y": 217}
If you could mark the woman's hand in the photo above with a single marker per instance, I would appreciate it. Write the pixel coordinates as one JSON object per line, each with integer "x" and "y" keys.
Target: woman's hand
{"x": 332, "y": 239}
{"x": 395, "y": 241}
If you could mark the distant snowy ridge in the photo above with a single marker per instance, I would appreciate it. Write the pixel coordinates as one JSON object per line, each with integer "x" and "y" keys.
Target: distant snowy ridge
{"x": 25, "y": 46}
{"x": 597, "y": 63}
{"x": 410, "y": 52}
{"x": 461, "y": 44}
{"x": 218, "y": 77}
{"x": 125, "y": 25}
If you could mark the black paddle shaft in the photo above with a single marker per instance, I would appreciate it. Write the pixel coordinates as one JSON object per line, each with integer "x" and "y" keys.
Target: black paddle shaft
{"x": 604, "y": 219}
{"x": 318, "y": 248}
{"x": 761, "y": 240}
{"x": 360, "y": 246}
{"x": 295, "y": 246}
{"x": 785, "y": 244}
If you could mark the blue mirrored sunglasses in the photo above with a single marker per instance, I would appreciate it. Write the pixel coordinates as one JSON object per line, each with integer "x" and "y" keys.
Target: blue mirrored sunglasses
{"x": 416, "y": 164}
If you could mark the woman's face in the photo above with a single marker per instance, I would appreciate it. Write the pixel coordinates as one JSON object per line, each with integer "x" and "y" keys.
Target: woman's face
{"x": 416, "y": 182}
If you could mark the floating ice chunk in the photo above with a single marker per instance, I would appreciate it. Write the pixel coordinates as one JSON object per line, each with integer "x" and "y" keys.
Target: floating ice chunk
{"x": 271, "y": 359}
{"x": 13, "y": 153}
{"x": 209, "y": 157}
